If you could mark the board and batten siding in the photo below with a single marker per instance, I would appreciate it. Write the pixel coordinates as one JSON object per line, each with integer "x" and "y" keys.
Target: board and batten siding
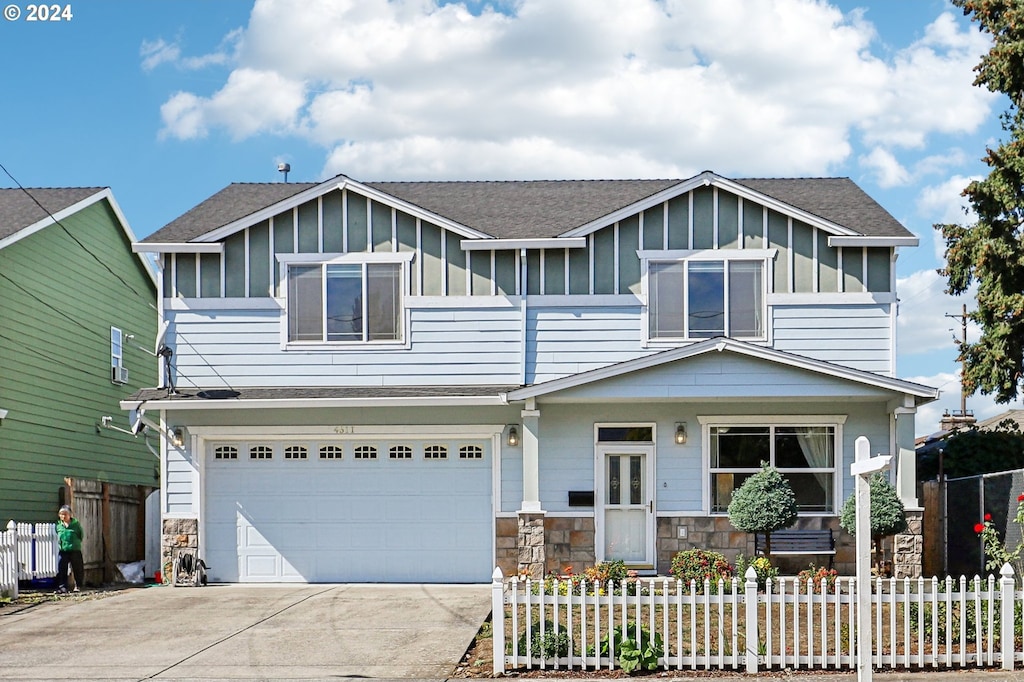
{"x": 705, "y": 218}
{"x": 57, "y": 304}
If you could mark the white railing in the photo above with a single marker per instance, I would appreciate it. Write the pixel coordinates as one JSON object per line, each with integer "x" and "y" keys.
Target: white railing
{"x": 790, "y": 623}
{"x": 27, "y": 551}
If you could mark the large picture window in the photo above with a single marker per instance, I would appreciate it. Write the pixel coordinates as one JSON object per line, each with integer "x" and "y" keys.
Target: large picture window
{"x": 804, "y": 455}
{"x": 700, "y": 298}
{"x": 345, "y": 302}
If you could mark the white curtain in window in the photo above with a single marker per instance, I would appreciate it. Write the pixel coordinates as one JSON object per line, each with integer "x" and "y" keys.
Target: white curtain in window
{"x": 816, "y": 447}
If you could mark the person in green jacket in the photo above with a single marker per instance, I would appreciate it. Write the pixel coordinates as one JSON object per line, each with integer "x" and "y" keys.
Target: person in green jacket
{"x": 69, "y": 541}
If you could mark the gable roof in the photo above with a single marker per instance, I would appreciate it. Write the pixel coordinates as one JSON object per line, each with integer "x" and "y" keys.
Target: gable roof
{"x": 520, "y": 209}
{"x": 25, "y": 211}
{"x": 18, "y": 210}
{"x": 920, "y": 393}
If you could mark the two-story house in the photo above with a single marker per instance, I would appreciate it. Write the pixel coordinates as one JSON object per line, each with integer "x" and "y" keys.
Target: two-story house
{"x": 417, "y": 381}
{"x": 77, "y": 315}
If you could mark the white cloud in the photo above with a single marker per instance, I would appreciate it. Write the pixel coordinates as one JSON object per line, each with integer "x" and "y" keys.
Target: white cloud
{"x": 157, "y": 52}
{"x": 929, "y": 416}
{"x": 622, "y": 88}
{"x": 922, "y": 325}
{"x": 888, "y": 171}
{"x": 945, "y": 204}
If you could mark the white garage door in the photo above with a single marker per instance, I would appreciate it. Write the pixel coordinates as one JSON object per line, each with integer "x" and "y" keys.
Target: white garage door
{"x": 349, "y": 511}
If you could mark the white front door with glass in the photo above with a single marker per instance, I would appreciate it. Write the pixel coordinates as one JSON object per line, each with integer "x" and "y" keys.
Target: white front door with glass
{"x": 626, "y": 513}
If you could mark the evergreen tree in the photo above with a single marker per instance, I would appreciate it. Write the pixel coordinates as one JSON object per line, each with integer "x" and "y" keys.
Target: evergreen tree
{"x": 764, "y": 503}
{"x": 991, "y": 251}
{"x": 887, "y": 514}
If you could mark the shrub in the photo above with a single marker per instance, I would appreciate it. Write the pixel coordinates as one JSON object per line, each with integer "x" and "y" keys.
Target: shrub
{"x": 764, "y": 503}
{"x": 887, "y": 514}
{"x": 632, "y": 654}
{"x": 546, "y": 645}
{"x": 761, "y": 565}
{"x": 822, "y": 579}
{"x": 700, "y": 564}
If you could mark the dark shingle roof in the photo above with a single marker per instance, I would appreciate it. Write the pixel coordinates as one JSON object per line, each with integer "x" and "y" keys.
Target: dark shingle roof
{"x": 18, "y": 210}
{"x": 838, "y": 200}
{"x": 235, "y": 201}
{"x": 541, "y": 208}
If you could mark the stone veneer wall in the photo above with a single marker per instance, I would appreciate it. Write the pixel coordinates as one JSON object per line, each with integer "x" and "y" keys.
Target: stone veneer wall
{"x": 177, "y": 535}
{"x": 908, "y": 547}
{"x": 569, "y": 541}
{"x": 716, "y": 533}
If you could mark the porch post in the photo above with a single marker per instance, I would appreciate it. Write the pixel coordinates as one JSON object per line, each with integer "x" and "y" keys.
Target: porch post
{"x": 906, "y": 459}
{"x": 531, "y": 540}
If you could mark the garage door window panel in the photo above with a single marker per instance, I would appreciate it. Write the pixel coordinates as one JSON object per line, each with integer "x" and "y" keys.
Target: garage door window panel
{"x": 331, "y": 452}
{"x": 436, "y": 452}
{"x": 261, "y": 452}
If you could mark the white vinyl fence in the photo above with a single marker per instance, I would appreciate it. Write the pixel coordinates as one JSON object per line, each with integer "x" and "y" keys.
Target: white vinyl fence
{"x": 27, "y": 551}
{"x": 789, "y": 623}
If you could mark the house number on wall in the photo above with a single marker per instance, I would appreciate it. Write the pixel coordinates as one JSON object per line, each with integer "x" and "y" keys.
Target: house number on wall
{"x": 345, "y": 429}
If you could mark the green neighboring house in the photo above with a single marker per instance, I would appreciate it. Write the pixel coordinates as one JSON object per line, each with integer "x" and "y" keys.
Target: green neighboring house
{"x": 77, "y": 310}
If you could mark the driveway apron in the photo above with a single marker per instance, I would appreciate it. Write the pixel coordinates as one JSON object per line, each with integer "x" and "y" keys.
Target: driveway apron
{"x": 247, "y": 632}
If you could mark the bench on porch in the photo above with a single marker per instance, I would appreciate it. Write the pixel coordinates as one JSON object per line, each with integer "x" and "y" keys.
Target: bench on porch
{"x": 795, "y": 541}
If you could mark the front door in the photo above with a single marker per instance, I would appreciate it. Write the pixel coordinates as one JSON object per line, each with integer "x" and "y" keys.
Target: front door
{"x": 627, "y": 505}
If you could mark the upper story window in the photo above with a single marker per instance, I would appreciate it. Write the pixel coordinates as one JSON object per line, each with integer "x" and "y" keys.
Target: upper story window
{"x": 118, "y": 372}
{"x": 355, "y": 299}
{"x": 711, "y": 293}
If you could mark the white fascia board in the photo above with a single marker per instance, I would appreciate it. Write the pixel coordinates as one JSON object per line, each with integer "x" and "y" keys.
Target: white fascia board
{"x": 927, "y": 393}
{"x": 340, "y": 182}
{"x": 516, "y": 244}
{"x": 632, "y": 209}
{"x": 178, "y": 247}
{"x": 311, "y": 403}
{"x": 359, "y": 430}
{"x": 872, "y": 241}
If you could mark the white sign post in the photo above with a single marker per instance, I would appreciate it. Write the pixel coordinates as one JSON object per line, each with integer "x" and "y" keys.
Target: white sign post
{"x": 863, "y": 467}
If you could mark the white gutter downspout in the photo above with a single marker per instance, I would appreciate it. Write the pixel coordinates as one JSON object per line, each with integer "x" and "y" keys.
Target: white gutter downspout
{"x": 522, "y": 320}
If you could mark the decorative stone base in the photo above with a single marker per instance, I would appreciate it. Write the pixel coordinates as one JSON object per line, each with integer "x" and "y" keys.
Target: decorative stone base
{"x": 531, "y": 545}
{"x": 908, "y": 547}
{"x": 177, "y": 535}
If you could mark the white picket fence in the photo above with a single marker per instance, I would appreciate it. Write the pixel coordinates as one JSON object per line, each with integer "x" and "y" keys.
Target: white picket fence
{"x": 916, "y": 623}
{"x": 27, "y": 551}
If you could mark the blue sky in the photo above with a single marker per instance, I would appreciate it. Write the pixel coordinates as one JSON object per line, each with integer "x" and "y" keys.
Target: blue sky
{"x": 166, "y": 102}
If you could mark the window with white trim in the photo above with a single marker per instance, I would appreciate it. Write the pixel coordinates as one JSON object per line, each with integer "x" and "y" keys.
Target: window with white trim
{"x": 118, "y": 374}
{"x": 698, "y": 298}
{"x": 435, "y": 452}
{"x": 365, "y": 452}
{"x": 471, "y": 452}
{"x": 331, "y": 452}
{"x": 354, "y": 302}
{"x": 225, "y": 452}
{"x": 296, "y": 452}
{"x": 400, "y": 452}
{"x": 805, "y": 455}
{"x": 261, "y": 452}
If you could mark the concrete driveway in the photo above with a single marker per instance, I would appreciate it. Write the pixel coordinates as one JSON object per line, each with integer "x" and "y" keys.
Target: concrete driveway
{"x": 236, "y": 632}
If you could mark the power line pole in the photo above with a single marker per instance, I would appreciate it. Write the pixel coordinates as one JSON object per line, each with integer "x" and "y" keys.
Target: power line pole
{"x": 962, "y": 417}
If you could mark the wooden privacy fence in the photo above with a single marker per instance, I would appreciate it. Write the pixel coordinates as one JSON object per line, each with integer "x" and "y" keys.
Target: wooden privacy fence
{"x": 113, "y": 518}
{"x": 789, "y": 623}
{"x": 27, "y": 551}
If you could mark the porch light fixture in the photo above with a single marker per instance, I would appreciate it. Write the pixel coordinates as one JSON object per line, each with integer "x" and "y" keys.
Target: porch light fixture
{"x": 680, "y": 433}
{"x": 513, "y": 436}
{"x": 178, "y": 436}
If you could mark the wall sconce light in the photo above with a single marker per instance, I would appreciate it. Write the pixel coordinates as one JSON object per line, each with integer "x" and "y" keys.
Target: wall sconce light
{"x": 680, "y": 433}
{"x": 513, "y": 436}
{"x": 178, "y": 436}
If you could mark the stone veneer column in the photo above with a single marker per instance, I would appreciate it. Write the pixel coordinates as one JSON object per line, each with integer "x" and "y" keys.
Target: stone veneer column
{"x": 532, "y": 554}
{"x": 908, "y": 547}
{"x": 177, "y": 535}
